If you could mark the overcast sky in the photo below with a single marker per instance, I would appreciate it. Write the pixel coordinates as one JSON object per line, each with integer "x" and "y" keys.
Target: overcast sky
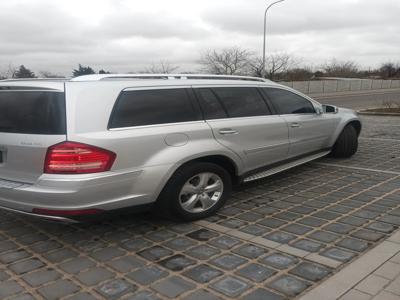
{"x": 127, "y": 35}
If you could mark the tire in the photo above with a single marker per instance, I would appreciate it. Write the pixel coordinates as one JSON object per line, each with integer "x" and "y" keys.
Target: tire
{"x": 178, "y": 203}
{"x": 347, "y": 143}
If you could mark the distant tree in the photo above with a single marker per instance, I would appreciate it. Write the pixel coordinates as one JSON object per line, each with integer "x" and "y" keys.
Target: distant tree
{"x": 228, "y": 61}
{"x": 104, "y": 72}
{"x": 82, "y": 71}
{"x": 298, "y": 74}
{"x": 389, "y": 70}
{"x": 336, "y": 68}
{"x": 23, "y": 72}
{"x": 276, "y": 65}
{"x": 47, "y": 74}
{"x": 163, "y": 67}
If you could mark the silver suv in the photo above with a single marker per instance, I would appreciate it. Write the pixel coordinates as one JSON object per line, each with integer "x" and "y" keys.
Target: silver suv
{"x": 77, "y": 148}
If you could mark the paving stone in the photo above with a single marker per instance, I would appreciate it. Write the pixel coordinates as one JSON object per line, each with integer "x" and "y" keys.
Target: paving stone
{"x": 280, "y": 261}
{"x": 267, "y": 210}
{"x": 26, "y": 266}
{"x": 41, "y": 277}
{"x": 366, "y": 214}
{"x": 338, "y": 228}
{"x": 32, "y": 238}
{"x": 288, "y": 216}
{"x": 94, "y": 276}
{"x": 183, "y": 228}
{"x": 135, "y": 244}
{"x": 338, "y": 254}
{"x": 304, "y": 210}
{"x": 250, "y": 251}
{"x": 280, "y": 237}
{"x": 8, "y": 288}
{"x": 224, "y": 242}
{"x": 201, "y": 295}
{"x": 307, "y": 245}
{"x": 126, "y": 263}
{"x": 76, "y": 265}
{"x": 147, "y": 275}
{"x": 368, "y": 235}
{"x": 381, "y": 227}
{"x": 255, "y": 272}
{"x": 340, "y": 209}
{"x": 323, "y": 236}
{"x": 202, "y": 235}
{"x": 203, "y": 252}
{"x": 310, "y": 271}
{"x": 233, "y": 223}
{"x": 116, "y": 288}
{"x": 262, "y": 294}
{"x": 143, "y": 295}
{"x": 353, "y": 244}
{"x": 10, "y": 257}
{"x": 107, "y": 254}
{"x": 177, "y": 262}
{"x": 180, "y": 243}
{"x": 230, "y": 286}
{"x": 203, "y": 273}
{"x": 249, "y": 216}
{"x": 172, "y": 287}
{"x": 81, "y": 296}
{"x": 314, "y": 222}
{"x": 160, "y": 235}
{"x": 297, "y": 229}
{"x": 3, "y": 276}
{"x": 7, "y": 245}
{"x": 272, "y": 223}
{"x": 395, "y": 220}
{"x": 155, "y": 253}
{"x": 24, "y": 297}
{"x": 228, "y": 261}
{"x": 326, "y": 215}
{"x": 353, "y": 221}
{"x": 58, "y": 289}
{"x": 289, "y": 285}
{"x": 60, "y": 255}
{"x": 255, "y": 230}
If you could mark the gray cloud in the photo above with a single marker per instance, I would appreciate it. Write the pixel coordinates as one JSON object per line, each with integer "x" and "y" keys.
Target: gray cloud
{"x": 127, "y": 35}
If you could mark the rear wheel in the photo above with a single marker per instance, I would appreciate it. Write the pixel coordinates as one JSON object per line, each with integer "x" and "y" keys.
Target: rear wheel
{"x": 196, "y": 191}
{"x": 346, "y": 144}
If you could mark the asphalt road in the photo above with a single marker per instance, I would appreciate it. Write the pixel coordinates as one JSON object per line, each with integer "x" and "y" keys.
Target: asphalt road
{"x": 360, "y": 101}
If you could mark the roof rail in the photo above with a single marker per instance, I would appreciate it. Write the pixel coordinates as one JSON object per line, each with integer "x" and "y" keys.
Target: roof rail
{"x": 34, "y": 79}
{"x": 98, "y": 77}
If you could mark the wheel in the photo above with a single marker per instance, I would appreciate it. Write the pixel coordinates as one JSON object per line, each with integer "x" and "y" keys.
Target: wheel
{"x": 195, "y": 191}
{"x": 347, "y": 143}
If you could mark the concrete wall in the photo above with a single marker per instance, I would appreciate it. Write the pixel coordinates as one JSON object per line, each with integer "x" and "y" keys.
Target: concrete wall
{"x": 333, "y": 86}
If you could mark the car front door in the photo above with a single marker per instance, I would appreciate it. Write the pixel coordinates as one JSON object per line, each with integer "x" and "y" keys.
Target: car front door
{"x": 309, "y": 131}
{"x": 242, "y": 121}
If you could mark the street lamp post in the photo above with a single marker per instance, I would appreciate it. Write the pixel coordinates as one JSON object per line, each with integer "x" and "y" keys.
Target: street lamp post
{"x": 265, "y": 33}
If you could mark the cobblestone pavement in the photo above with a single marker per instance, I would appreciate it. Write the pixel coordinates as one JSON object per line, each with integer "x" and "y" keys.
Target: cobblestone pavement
{"x": 276, "y": 238}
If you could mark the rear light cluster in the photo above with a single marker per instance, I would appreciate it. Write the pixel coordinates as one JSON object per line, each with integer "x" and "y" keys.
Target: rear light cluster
{"x": 77, "y": 158}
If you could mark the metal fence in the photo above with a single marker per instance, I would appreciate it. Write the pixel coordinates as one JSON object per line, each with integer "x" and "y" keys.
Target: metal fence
{"x": 334, "y": 86}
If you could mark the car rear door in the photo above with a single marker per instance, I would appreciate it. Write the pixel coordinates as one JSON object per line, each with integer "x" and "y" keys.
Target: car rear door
{"x": 309, "y": 131}
{"x": 32, "y": 118}
{"x": 242, "y": 121}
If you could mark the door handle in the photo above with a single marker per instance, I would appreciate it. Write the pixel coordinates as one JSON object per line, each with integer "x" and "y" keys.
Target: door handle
{"x": 227, "y": 131}
{"x": 295, "y": 125}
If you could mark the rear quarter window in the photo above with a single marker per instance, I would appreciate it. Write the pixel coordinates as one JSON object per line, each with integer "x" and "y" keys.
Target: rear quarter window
{"x": 32, "y": 112}
{"x": 151, "y": 107}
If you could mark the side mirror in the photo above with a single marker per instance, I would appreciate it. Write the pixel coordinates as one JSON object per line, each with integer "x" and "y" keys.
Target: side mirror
{"x": 330, "y": 109}
{"x": 319, "y": 110}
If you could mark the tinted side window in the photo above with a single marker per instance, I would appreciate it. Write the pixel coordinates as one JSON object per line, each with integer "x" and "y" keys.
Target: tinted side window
{"x": 286, "y": 102}
{"x": 210, "y": 104}
{"x": 137, "y": 108}
{"x": 242, "y": 102}
{"x": 32, "y": 112}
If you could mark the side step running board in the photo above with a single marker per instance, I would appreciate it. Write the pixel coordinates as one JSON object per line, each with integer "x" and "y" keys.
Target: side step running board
{"x": 284, "y": 167}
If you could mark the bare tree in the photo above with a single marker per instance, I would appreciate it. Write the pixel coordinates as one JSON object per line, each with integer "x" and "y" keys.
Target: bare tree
{"x": 23, "y": 72}
{"x": 228, "y": 61}
{"x": 337, "y": 68}
{"x": 163, "y": 67}
{"x": 275, "y": 65}
{"x": 389, "y": 70}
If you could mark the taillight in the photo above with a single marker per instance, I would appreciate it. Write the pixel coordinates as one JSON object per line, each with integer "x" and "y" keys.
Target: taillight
{"x": 77, "y": 158}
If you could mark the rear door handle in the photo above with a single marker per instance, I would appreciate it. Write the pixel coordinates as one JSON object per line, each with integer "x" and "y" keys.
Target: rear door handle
{"x": 226, "y": 131}
{"x": 295, "y": 125}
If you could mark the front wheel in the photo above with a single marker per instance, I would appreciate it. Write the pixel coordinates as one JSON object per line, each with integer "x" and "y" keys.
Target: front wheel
{"x": 196, "y": 191}
{"x": 346, "y": 144}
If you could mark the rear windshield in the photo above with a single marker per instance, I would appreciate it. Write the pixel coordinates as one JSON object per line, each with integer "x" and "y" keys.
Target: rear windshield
{"x": 32, "y": 112}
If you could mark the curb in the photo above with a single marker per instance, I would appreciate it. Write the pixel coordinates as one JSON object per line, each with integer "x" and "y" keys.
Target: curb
{"x": 378, "y": 113}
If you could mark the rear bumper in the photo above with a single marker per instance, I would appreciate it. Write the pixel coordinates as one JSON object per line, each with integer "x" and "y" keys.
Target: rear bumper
{"x": 103, "y": 192}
